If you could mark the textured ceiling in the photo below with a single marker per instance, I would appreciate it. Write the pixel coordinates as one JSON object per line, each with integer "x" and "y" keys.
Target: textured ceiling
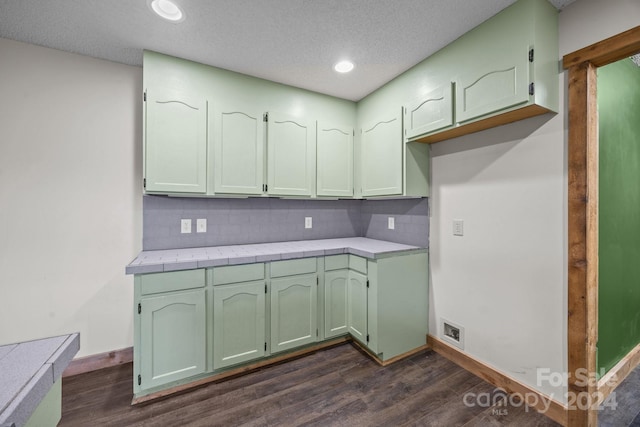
{"x": 295, "y": 42}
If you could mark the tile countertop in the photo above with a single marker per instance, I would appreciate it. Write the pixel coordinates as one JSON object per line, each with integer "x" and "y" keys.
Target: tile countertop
{"x": 190, "y": 258}
{"x": 28, "y": 370}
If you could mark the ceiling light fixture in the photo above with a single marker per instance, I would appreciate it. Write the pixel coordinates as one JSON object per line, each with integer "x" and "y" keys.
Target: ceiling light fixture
{"x": 167, "y": 10}
{"x": 343, "y": 66}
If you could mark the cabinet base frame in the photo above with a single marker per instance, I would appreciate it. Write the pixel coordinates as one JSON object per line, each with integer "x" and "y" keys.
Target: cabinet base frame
{"x": 240, "y": 370}
{"x": 488, "y": 123}
{"x": 393, "y": 359}
{"x": 272, "y": 361}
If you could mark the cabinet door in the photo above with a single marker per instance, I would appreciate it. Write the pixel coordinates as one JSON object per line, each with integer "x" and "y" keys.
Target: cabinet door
{"x": 173, "y": 337}
{"x": 357, "y": 305}
{"x": 238, "y": 323}
{"x": 175, "y": 143}
{"x": 493, "y": 86}
{"x": 335, "y": 303}
{"x": 335, "y": 161}
{"x": 430, "y": 113}
{"x": 293, "y": 311}
{"x": 238, "y": 146}
{"x": 291, "y": 148}
{"x": 381, "y": 154}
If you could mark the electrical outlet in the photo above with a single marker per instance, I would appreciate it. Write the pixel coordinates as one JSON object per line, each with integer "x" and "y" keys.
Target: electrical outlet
{"x": 308, "y": 222}
{"x": 458, "y": 227}
{"x": 201, "y": 225}
{"x": 185, "y": 226}
{"x": 391, "y": 223}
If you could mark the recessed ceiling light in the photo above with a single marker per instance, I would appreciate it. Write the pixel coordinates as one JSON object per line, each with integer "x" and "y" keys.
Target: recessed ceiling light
{"x": 343, "y": 66}
{"x": 167, "y": 10}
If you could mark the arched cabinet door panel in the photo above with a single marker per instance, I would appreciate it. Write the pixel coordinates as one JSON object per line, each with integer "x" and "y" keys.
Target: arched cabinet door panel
{"x": 291, "y": 155}
{"x": 381, "y": 155}
{"x": 238, "y": 323}
{"x": 175, "y": 142}
{"x": 238, "y": 151}
{"x": 334, "y": 160}
{"x": 173, "y": 337}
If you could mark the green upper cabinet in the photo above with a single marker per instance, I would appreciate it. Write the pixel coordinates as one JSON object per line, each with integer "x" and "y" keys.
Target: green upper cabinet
{"x": 493, "y": 86}
{"x": 381, "y": 155}
{"x": 206, "y": 135}
{"x": 503, "y": 70}
{"x": 175, "y": 141}
{"x": 238, "y": 151}
{"x": 429, "y": 113}
{"x": 172, "y": 337}
{"x": 291, "y": 154}
{"x": 293, "y": 311}
{"x": 334, "y": 160}
{"x": 238, "y": 323}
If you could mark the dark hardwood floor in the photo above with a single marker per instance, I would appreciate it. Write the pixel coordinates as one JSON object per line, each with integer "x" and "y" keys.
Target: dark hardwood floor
{"x": 622, "y": 409}
{"x": 339, "y": 386}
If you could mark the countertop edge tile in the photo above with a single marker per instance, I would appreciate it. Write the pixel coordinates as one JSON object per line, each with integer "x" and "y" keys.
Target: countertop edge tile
{"x": 190, "y": 258}
{"x": 64, "y": 355}
{"x": 215, "y": 262}
{"x": 180, "y": 265}
{"x": 242, "y": 260}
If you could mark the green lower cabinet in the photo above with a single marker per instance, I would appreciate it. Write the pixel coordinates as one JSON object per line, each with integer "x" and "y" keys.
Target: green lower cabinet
{"x": 238, "y": 323}
{"x": 293, "y": 311}
{"x": 335, "y": 303}
{"x": 192, "y": 324}
{"x": 397, "y": 304}
{"x": 172, "y": 337}
{"x": 357, "y": 306}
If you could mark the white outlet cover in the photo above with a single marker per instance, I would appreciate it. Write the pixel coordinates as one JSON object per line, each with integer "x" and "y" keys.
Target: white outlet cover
{"x": 201, "y": 225}
{"x": 308, "y": 222}
{"x": 458, "y": 227}
{"x": 185, "y": 226}
{"x": 392, "y": 223}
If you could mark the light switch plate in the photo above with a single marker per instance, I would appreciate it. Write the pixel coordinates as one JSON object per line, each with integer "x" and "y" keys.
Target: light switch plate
{"x": 308, "y": 222}
{"x": 201, "y": 225}
{"x": 458, "y": 227}
{"x": 391, "y": 223}
{"x": 185, "y": 226}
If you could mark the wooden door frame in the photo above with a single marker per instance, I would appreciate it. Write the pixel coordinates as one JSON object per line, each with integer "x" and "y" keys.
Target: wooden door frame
{"x": 583, "y": 217}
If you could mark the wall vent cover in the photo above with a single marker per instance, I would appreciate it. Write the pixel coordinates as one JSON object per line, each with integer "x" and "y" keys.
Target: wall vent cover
{"x": 452, "y": 333}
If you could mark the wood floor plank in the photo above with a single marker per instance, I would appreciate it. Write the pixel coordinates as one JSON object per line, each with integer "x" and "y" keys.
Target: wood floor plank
{"x": 339, "y": 386}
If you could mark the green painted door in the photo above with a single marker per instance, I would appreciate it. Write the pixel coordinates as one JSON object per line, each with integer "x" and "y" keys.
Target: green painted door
{"x": 293, "y": 311}
{"x": 335, "y": 160}
{"x": 172, "y": 337}
{"x": 175, "y": 142}
{"x": 493, "y": 86}
{"x": 238, "y": 147}
{"x": 335, "y": 303}
{"x": 357, "y": 305}
{"x": 381, "y": 156}
{"x": 291, "y": 155}
{"x": 429, "y": 113}
{"x": 238, "y": 323}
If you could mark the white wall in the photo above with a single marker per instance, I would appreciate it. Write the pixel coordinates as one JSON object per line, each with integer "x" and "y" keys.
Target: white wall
{"x": 70, "y": 196}
{"x": 505, "y": 281}
{"x": 70, "y": 209}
